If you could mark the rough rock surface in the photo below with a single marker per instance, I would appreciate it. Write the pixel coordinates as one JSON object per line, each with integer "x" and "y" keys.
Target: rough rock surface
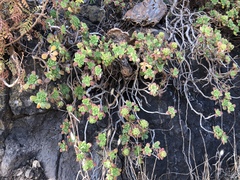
{"x": 37, "y": 137}
{"x": 147, "y": 12}
{"x": 29, "y": 137}
{"x": 93, "y": 13}
{"x": 20, "y": 104}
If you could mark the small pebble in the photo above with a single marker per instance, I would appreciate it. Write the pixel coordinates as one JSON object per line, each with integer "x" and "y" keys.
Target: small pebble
{"x": 29, "y": 173}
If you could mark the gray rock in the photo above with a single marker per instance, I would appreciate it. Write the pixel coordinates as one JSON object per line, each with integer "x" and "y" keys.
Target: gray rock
{"x": 33, "y": 136}
{"x": 94, "y": 13}
{"x": 3, "y": 100}
{"x": 68, "y": 167}
{"x": 2, "y": 127}
{"x": 148, "y": 12}
{"x": 29, "y": 173}
{"x": 20, "y": 102}
{"x": 36, "y": 164}
{"x": 18, "y": 172}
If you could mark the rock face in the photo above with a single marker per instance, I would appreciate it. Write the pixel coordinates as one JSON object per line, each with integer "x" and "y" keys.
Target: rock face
{"x": 29, "y": 143}
{"x": 21, "y": 104}
{"x": 36, "y": 137}
{"x": 29, "y": 136}
{"x": 93, "y": 13}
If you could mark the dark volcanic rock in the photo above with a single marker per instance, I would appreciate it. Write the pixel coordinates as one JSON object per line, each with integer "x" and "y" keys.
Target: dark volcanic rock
{"x": 29, "y": 136}
{"x": 36, "y": 137}
{"x": 20, "y": 102}
{"x": 187, "y": 144}
{"x": 94, "y": 13}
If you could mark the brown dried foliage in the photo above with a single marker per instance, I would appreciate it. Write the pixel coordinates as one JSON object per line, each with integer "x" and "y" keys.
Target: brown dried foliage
{"x": 13, "y": 14}
{"x": 16, "y": 20}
